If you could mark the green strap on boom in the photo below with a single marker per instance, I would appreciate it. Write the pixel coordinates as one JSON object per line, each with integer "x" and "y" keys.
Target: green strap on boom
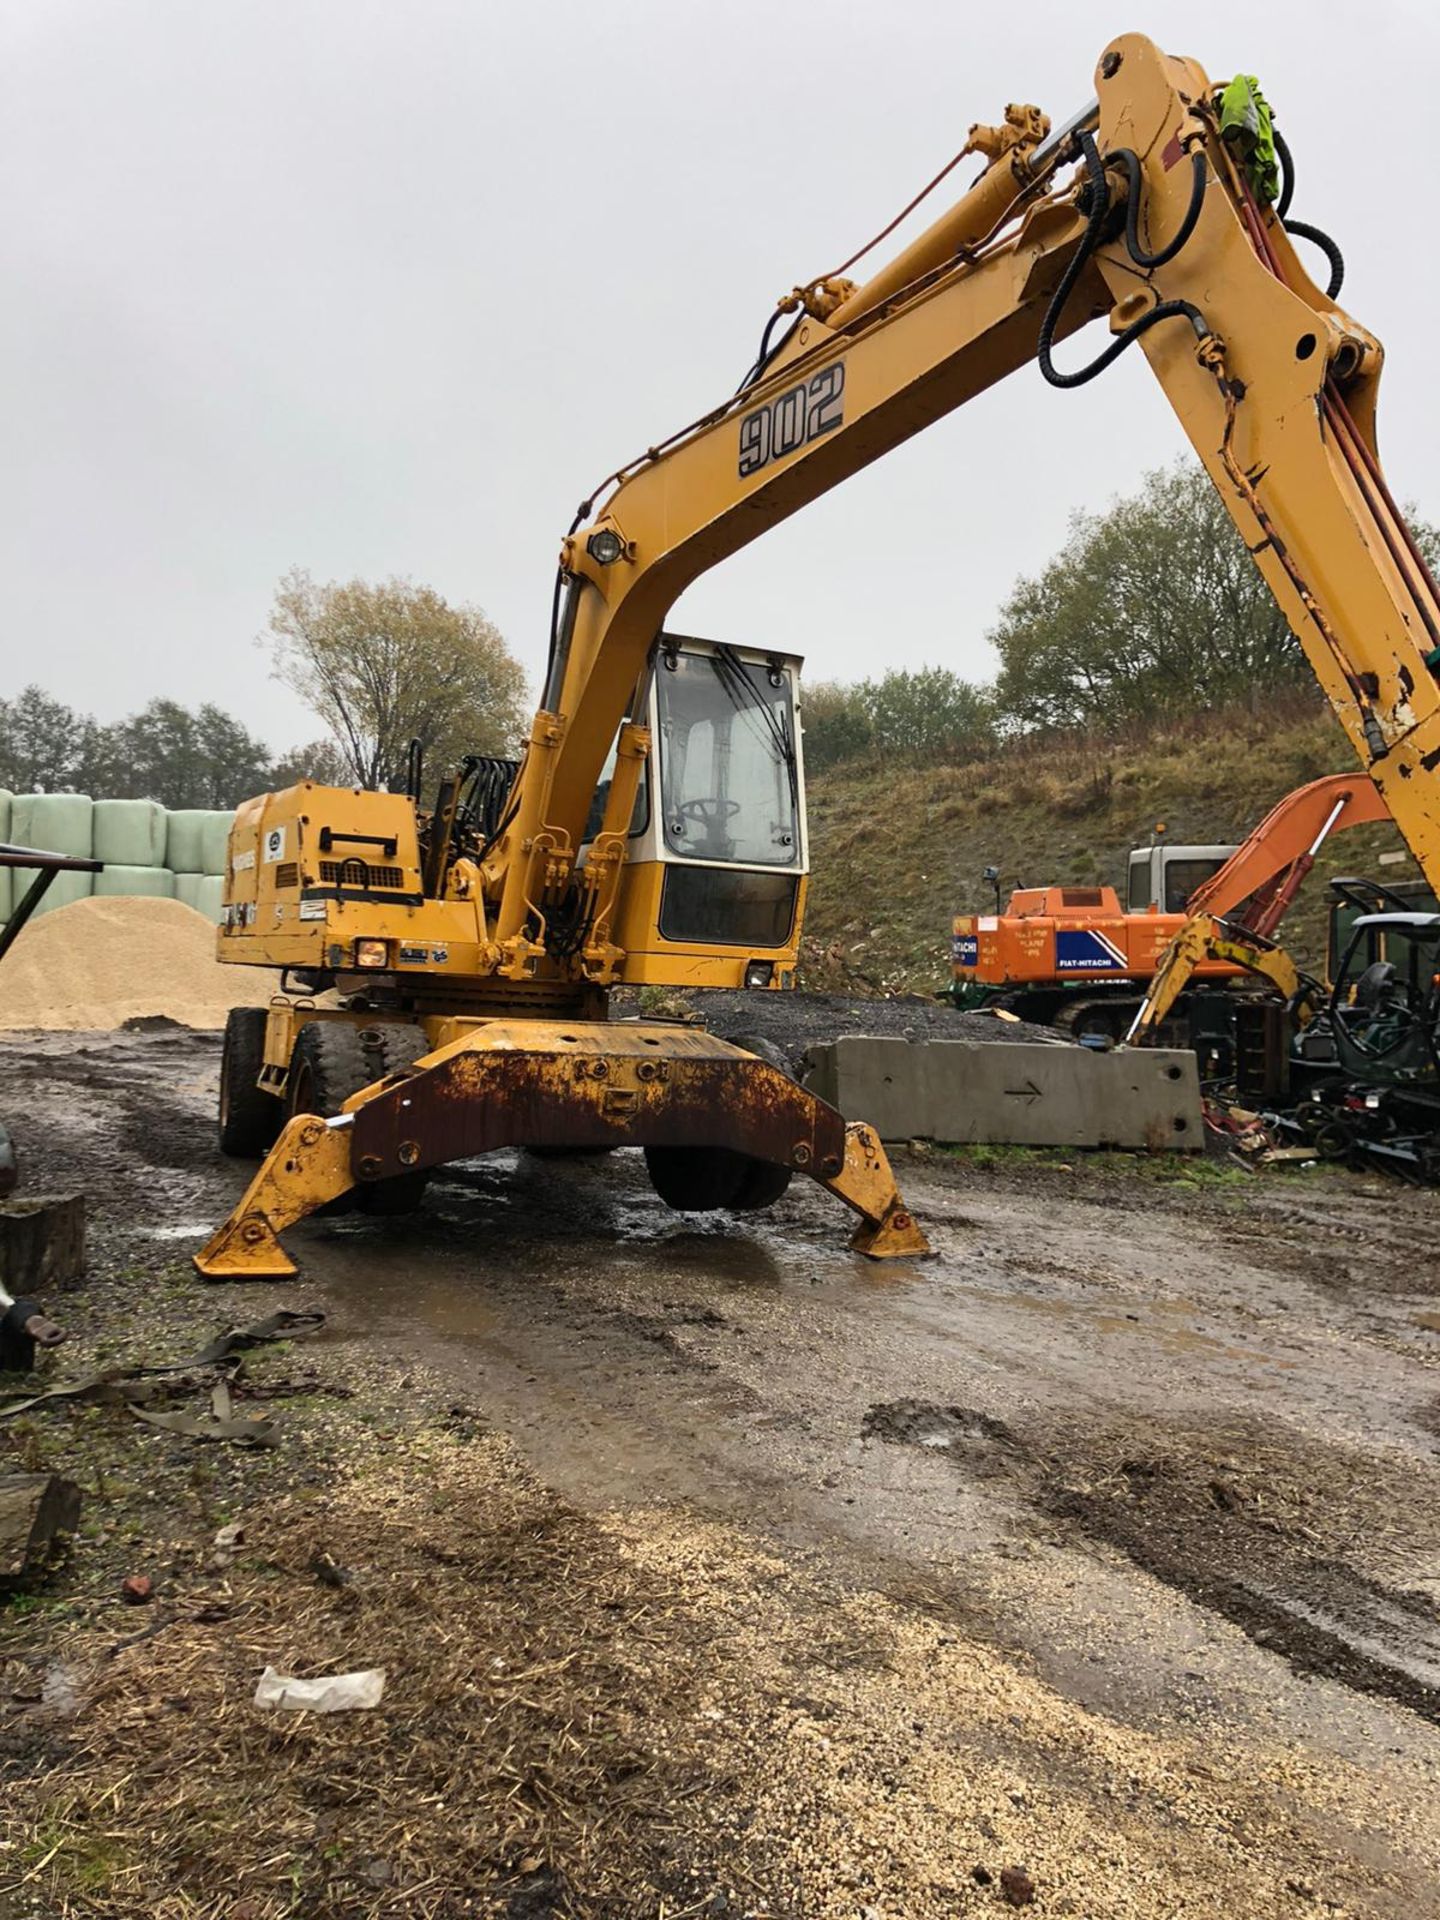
{"x": 1245, "y": 122}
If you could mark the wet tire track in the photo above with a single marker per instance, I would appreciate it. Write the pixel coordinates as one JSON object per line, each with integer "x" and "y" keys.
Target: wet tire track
{"x": 1232, "y": 1520}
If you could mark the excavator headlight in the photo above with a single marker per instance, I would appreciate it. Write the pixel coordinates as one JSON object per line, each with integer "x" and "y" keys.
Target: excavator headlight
{"x": 759, "y": 973}
{"x": 605, "y": 546}
{"x": 372, "y": 953}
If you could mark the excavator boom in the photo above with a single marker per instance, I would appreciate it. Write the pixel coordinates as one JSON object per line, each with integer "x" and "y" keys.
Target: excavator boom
{"x": 1273, "y": 382}
{"x": 1234, "y": 914}
{"x": 1267, "y": 870}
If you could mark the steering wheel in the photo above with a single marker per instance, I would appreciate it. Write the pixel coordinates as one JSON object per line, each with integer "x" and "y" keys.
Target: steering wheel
{"x": 709, "y": 812}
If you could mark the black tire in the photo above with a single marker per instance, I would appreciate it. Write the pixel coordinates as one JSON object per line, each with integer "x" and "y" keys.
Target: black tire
{"x": 697, "y": 1179}
{"x": 327, "y": 1065}
{"x": 709, "y": 1179}
{"x": 764, "y": 1182}
{"x": 250, "y": 1118}
{"x": 333, "y": 1059}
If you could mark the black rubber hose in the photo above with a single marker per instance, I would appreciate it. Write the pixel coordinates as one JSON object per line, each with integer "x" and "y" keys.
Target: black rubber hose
{"x": 1301, "y": 228}
{"x": 1167, "y": 309}
{"x": 1287, "y": 173}
{"x": 1303, "y": 231}
{"x": 767, "y": 353}
{"x": 1199, "y": 173}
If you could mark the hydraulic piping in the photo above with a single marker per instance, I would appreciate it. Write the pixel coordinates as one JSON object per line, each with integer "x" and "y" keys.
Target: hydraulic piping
{"x": 1199, "y": 176}
{"x": 1099, "y": 192}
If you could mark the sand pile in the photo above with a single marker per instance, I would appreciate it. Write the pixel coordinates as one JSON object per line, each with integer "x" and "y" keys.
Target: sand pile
{"x": 99, "y": 962}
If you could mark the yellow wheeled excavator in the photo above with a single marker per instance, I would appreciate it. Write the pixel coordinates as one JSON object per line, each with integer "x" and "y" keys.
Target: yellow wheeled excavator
{"x": 653, "y": 830}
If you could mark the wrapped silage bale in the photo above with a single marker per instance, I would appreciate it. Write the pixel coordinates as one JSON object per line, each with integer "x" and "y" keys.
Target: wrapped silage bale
{"x": 205, "y": 892}
{"x": 215, "y": 842}
{"x": 154, "y": 883}
{"x": 61, "y": 823}
{"x": 197, "y": 840}
{"x": 190, "y": 836}
{"x": 130, "y": 833}
{"x": 183, "y": 837}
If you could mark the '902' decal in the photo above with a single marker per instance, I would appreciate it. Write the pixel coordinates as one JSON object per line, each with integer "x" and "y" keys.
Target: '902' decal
{"x": 801, "y": 414}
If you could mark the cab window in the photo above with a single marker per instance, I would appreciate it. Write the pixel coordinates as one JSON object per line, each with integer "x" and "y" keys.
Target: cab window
{"x": 729, "y": 784}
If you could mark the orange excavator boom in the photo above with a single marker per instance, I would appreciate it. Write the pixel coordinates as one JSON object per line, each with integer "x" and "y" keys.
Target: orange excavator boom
{"x": 1267, "y": 870}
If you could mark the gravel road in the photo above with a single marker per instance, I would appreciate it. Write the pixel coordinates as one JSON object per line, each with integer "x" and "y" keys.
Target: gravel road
{"x": 1103, "y": 1545}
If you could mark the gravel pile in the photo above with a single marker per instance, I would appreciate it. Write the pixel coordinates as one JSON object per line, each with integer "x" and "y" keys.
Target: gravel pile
{"x": 795, "y": 1022}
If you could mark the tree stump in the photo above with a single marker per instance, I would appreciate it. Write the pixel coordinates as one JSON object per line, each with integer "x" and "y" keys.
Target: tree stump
{"x": 34, "y": 1507}
{"x": 42, "y": 1242}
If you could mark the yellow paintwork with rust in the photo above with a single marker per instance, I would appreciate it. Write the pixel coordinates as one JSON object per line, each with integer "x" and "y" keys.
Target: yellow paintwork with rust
{"x": 276, "y": 856}
{"x": 1280, "y": 384}
{"x": 609, "y": 1069}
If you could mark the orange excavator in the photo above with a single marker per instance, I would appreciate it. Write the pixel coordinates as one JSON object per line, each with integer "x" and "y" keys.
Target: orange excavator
{"x": 1073, "y": 956}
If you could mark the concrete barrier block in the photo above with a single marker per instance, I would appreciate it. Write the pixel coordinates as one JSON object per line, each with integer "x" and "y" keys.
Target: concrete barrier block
{"x": 1004, "y": 1093}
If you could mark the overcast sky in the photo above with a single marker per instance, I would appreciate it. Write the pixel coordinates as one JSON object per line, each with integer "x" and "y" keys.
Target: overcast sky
{"x": 376, "y": 288}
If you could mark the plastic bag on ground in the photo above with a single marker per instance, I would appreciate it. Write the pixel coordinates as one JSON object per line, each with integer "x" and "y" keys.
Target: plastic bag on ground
{"x": 331, "y": 1693}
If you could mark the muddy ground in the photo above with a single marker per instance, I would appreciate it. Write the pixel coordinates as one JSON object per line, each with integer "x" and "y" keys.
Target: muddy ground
{"x": 1093, "y": 1564}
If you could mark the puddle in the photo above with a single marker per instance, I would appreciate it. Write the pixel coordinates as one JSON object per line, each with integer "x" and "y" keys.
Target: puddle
{"x": 1171, "y": 1340}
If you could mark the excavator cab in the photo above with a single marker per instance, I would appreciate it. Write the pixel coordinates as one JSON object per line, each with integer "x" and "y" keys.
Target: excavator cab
{"x": 1161, "y": 878}
{"x": 1384, "y": 1014}
{"x": 717, "y": 855}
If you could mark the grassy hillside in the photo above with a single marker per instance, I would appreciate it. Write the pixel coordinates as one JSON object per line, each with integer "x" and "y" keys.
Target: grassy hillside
{"x": 896, "y": 851}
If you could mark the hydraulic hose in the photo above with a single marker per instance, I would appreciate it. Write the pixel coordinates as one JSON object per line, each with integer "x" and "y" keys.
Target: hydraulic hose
{"x": 1287, "y": 173}
{"x": 1199, "y": 174}
{"x": 767, "y": 352}
{"x": 1166, "y": 310}
{"x": 1301, "y": 228}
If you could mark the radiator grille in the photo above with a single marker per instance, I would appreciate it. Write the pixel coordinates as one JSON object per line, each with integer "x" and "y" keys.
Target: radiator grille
{"x": 1082, "y": 897}
{"x": 287, "y": 874}
{"x": 359, "y": 873}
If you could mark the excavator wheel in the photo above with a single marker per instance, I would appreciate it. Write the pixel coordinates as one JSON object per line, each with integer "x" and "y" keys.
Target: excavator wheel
{"x": 763, "y": 1182}
{"x": 333, "y": 1060}
{"x": 708, "y": 1179}
{"x": 697, "y": 1179}
{"x": 250, "y": 1119}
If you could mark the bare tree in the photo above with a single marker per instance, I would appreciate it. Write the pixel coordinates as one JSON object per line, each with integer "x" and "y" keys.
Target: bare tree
{"x": 384, "y": 664}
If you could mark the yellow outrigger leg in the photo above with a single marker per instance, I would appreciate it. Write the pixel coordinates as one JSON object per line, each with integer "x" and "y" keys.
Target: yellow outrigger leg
{"x": 586, "y": 1084}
